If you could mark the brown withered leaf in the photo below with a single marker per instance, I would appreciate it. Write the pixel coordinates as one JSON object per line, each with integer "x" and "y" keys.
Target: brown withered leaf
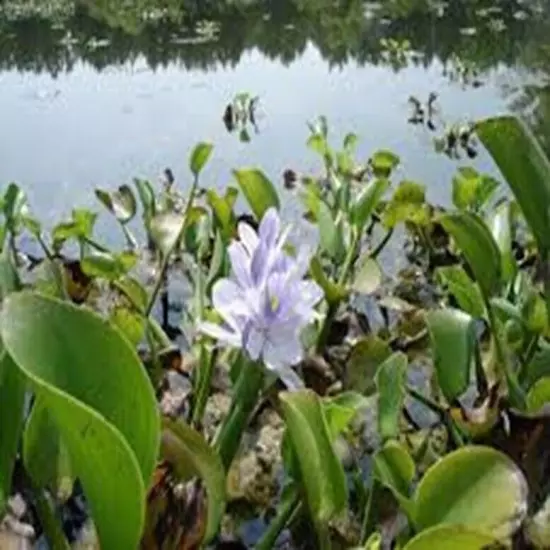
{"x": 176, "y": 513}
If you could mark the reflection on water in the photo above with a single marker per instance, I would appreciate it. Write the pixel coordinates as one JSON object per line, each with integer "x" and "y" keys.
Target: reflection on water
{"x": 97, "y": 96}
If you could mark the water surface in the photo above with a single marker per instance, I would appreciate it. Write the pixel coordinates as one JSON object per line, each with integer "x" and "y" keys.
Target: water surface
{"x": 86, "y": 104}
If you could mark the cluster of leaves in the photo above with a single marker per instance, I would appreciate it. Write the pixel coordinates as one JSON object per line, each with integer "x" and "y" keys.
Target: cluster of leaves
{"x": 82, "y": 404}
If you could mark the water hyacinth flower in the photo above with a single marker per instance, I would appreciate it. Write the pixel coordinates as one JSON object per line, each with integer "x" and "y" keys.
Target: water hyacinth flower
{"x": 267, "y": 301}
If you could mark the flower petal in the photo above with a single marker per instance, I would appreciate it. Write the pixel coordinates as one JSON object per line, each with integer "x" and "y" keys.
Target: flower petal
{"x": 226, "y": 292}
{"x": 310, "y": 293}
{"x": 260, "y": 264}
{"x": 253, "y": 340}
{"x": 240, "y": 263}
{"x": 248, "y": 237}
{"x": 270, "y": 227}
{"x": 283, "y": 346}
{"x": 220, "y": 333}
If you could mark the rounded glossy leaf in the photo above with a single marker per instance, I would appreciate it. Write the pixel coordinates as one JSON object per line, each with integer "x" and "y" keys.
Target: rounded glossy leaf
{"x": 453, "y": 339}
{"x": 165, "y": 230}
{"x": 451, "y": 537}
{"x": 258, "y": 190}
{"x": 367, "y": 201}
{"x": 368, "y": 277}
{"x": 121, "y": 203}
{"x": 394, "y": 468}
{"x": 82, "y": 370}
{"x": 465, "y": 291}
{"x": 475, "y": 241}
{"x": 390, "y": 382}
{"x": 199, "y": 157}
{"x": 366, "y": 356}
{"x": 12, "y": 401}
{"x": 322, "y": 473}
{"x": 146, "y": 196}
{"x": 476, "y": 487}
{"x": 383, "y": 162}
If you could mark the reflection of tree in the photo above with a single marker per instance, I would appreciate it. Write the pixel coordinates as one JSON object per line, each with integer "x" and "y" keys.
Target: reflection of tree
{"x": 280, "y": 29}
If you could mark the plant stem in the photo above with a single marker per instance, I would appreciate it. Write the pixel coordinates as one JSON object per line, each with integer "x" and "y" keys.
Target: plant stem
{"x": 323, "y": 537}
{"x": 515, "y": 393}
{"x": 429, "y": 403}
{"x": 382, "y": 244}
{"x": 285, "y": 512}
{"x": 246, "y": 393}
{"x": 368, "y": 525}
{"x": 57, "y": 272}
{"x": 325, "y": 327}
{"x": 348, "y": 262}
{"x": 442, "y": 412}
{"x": 333, "y": 308}
{"x": 207, "y": 361}
{"x": 96, "y": 245}
{"x": 52, "y": 528}
{"x": 166, "y": 257}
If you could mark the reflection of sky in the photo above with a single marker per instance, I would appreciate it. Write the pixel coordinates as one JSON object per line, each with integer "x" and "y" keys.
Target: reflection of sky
{"x": 61, "y": 138}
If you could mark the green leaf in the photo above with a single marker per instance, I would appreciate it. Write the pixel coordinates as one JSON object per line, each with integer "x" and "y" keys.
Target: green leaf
{"x": 223, "y": 213}
{"x": 538, "y": 367}
{"x": 130, "y": 323}
{"x": 12, "y": 401}
{"x": 199, "y": 157}
{"x": 501, "y": 228}
{"x": 394, "y": 468}
{"x": 81, "y": 369}
{"x": 217, "y": 261}
{"x": 383, "y": 162}
{"x": 342, "y": 409}
{"x": 9, "y": 279}
{"x": 166, "y": 229}
{"x": 191, "y": 456}
{"x": 121, "y": 203}
{"x": 334, "y": 293}
{"x": 146, "y": 197}
{"x": 366, "y": 356}
{"x": 390, "y": 382}
{"x": 14, "y": 206}
{"x": 465, "y": 188}
{"x": 525, "y": 167}
{"x": 350, "y": 141}
{"x": 475, "y": 487}
{"x": 322, "y": 473}
{"x": 475, "y": 241}
{"x": 451, "y": 537}
{"x": 407, "y": 205}
{"x": 45, "y": 456}
{"x": 330, "y": 235}
{"x": 453, "y": 339}
{"x": 258, "y": 190}
{"x": 366, "y": 202}
{"x": 368, "y": 277}
{"x": 32, "y": 225}
{"x": 471, "y": 190}
{"x": 317, "y": 143}
{"x": 539, "y": 395}
{"x": 107, "y": 265}
{"x": 465, "y": 291}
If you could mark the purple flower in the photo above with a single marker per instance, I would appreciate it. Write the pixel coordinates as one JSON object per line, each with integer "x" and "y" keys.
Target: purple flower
{"x": 267, "y": 302}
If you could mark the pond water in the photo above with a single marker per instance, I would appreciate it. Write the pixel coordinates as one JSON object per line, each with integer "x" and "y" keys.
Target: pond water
{"x": 92, "y": 98}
